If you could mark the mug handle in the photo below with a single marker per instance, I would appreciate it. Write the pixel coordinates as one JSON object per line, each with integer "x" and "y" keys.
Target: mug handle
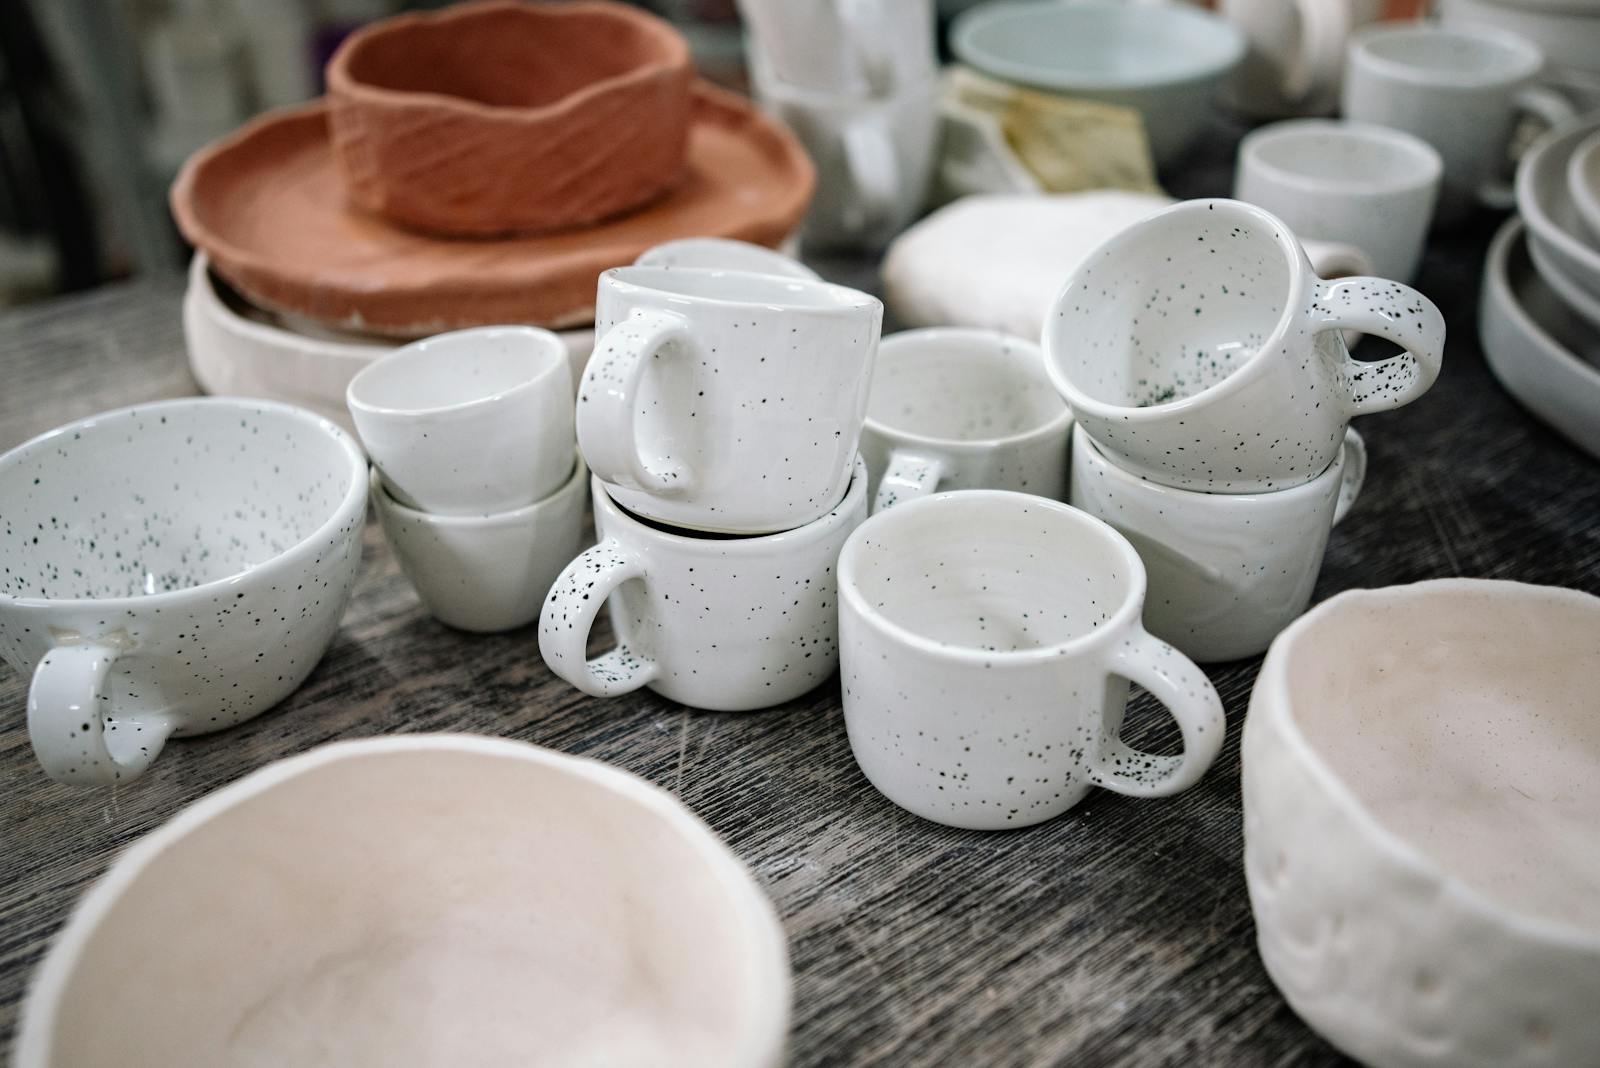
{"x": 1319, "y": 60}
{"x": 569, "y": 613}
{"x": 67, "y": 721}
{"x": 1175, "y": 681}
{"x": 1393, "y": 311}
{"x": 874, "y": 171}
{"x": 907, "y": 477}
{"x": 1550, "y": 108}
{"x": 1354, "y": 476}
{"x": 606, "y": 425}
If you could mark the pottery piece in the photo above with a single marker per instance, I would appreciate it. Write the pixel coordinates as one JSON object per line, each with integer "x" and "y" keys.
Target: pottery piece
{"x": 1198, "y": 350}
{"x": 963, "y": 409}
{"x": 1421, "y": 770}
{"x": 726, "y": 401}
{"x": 172, "y": 569}
{"x": 1227, "y": 571}
{"x": 723, "y": 623}
{"x": 488, "y": 572}
{"x": 1583, "y": 184}
{"x": 268, "y": 206}
{"x": 1543, "y": 354}
{"x": 1567, "y": 31}
{"x": 1294, "y": 63}
{"x": 721, "y": 254}
{"x": 1366, "y": 186}
{"x": 1165, "y": 61}
{"x": 1557, "y": 240}
{"x": 986, "y": 642}
{"x": 1461, "y": 89}
{"x": 809, "y": 45}
{"x": 422, "y": 899}
{"x": 470, "y": 422}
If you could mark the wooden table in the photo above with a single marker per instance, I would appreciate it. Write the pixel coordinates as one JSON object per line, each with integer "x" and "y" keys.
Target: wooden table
{"x": 1117, "y": 934}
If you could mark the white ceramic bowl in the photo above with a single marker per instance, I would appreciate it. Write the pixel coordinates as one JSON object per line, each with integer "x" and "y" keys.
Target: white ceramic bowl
{"x": 1583, "y": 184}
{"x": 437, "y": 899}
{"x": 1421, "y": 771}
{"x": 1542, "y": 354}
{"x": 1567, "y": 31}
{"x": 1167, "y": 61}
{"x": 1560, "y": 246}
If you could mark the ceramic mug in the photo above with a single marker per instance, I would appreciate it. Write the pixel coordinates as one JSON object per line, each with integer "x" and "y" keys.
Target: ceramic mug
{"x": 172, "y": 569}
{"x": 486, "y": 573}
{"x": 468, "y": 422}
{"x": 725, "y": 401}
{"x": 1296, "y": 52}
{"x": 955, "y": 408}
{"x": 1368, "y": 186}
{"x": 1227, "y": 571}
{"x": 1459, "y": 88}
{"x": 1199, "y": 350}
{"x": 986, "y": 643}
{"x": 722, "y": 623}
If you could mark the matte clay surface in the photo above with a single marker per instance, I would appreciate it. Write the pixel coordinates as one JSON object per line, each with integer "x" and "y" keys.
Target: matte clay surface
{"x": 269, "y": 207}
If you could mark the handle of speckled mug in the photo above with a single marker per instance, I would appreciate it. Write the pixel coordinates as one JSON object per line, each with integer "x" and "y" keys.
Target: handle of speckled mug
{"x": 1550, "y": 108}
{"x": 569, "y": 613}
{"x": 907, "y": 476}
{"x": 1393, "y": 311}
{"x": 68, "y": 724}
{"x": 1354, "y": 475}
{"x": 607, "y": 408}
{"x": 1175, "y": 681}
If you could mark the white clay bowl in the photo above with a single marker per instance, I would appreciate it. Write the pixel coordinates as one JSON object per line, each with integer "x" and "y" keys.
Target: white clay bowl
{"x": 1583, "y": 184}
{"x": 423, "y": 900}
{"x": 1557, "y": 238}
{"x": 1421, "y": 772}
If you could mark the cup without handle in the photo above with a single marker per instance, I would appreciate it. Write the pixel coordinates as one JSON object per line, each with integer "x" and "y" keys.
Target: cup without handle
{"x": 607, "y": 409}
{"x": 70, "y": 715}
{"x": 906, "y": 476}
{"x": 1395, "y": 312}
{"x": 1551, "y": 109}
{"x": 569, "y": 613}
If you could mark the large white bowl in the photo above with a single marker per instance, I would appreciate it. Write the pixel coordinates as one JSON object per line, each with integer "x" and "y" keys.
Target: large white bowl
{"x": 1542, "y": 354}
{"x": 1421, "y": 771}
{"x": 1567, "y": 30}
{"x": 432, "y": 899}
{"x": 1560, "y": 244}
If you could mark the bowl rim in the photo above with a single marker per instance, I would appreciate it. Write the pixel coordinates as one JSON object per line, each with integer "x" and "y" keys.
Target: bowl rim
{"x": 761, "y": 932}
{"x": 202, "y": 290}
{"x": 1274, "y": 679}
{"x": 1497, "y": 280}
{"x": 1554, "y": 150}
{"x": 1585, "y": 159}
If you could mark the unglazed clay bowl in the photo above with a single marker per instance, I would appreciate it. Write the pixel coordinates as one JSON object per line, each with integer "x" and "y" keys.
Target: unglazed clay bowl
{"x": 1421, "y": 789}
{"x": 503, "y": 117}
{"x": 424, "y": 899}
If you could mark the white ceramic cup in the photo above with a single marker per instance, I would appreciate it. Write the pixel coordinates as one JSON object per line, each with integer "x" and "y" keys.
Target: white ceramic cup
{"x": 172, "y": 569}
{"x": 419, "y": 900}
{"x": 468, "y": 422}
{"x": 1296, "y": 52}
{"x": 725, "y": 401}
{"x": 1367, "y": 186}
{"x": 986, "y": 638}
{"x": 1199, "y": 350}
{"x": 722, "y": 623}
{"x": 1459, "y": 88}
{"x": 486, "y": 573}
{"x": 723, "y": 254}
{"x": 956, "y": 408}
{"x": 1227, "y": 571}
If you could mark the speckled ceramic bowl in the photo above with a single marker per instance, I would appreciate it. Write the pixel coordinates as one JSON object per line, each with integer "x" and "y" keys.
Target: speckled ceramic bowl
{"x": 1421, "y": 792}
{"x": 173, "y": 568}
{"x": 422, "y": 900}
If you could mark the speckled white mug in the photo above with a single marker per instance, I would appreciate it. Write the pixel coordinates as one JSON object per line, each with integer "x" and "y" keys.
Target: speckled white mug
{"x": 172, "y": 569}
{"x": 986, "y": 642}
{"x": 955, "y": 408}
{"x": 723, "y": 623}
{"x": 1199, "y": 350}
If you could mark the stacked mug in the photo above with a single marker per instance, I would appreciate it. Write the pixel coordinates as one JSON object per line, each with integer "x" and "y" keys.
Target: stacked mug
{"x": 1203, "y": 361}
{"x": 720, "y": 415}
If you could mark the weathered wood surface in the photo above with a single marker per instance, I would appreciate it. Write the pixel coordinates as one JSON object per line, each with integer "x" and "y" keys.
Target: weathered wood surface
{"x": 1118, "y": 934}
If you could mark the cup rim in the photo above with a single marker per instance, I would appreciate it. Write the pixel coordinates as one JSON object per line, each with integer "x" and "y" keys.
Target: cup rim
{"x": 1084, "y": 445}
{"x": 851, "y": 302}
{"x": 1431, "y": 165}
{"x": 353, "y": 501}
{"x": 527, "y": 513}
{"x": 1127, "y": 614}
{"x": 1527, "y": 57}
{"x": 772, "y": 261}
{"x": 551, "y": 353}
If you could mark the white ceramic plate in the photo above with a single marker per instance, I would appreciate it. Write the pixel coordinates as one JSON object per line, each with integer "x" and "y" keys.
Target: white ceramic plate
{"x": 1583, "y": 183}
{"x": 1562, "y": 247}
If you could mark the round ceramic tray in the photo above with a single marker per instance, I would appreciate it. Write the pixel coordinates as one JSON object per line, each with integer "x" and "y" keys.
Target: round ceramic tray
{"x": 268, "y": 206}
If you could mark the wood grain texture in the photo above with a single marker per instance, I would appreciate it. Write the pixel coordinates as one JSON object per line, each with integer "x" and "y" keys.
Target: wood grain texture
{"x": 1119, "y": 934}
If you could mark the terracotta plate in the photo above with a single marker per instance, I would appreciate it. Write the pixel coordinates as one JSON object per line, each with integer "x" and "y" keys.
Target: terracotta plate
{"x": 267, "y": 206}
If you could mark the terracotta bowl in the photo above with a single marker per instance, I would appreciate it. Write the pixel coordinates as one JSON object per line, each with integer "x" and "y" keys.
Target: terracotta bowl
{"x": 501, "y": 117}
{"x": 1421, "y": 790}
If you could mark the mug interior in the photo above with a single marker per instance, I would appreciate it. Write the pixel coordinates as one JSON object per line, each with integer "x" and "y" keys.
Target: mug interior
{"x": 159, "y": 498}
{"x": 741, "y": 287}
{"x": 989, "y": 571}
{"x": 458, "y": 368}
{"x": 960, "y": 386}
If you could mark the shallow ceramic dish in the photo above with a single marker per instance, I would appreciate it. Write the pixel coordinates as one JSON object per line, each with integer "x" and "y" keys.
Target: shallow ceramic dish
{"x": 1542, "y": 354}
{"x": 1583, "y": 183}
{"x": 268, "y": 206}
{"x": 1421, "y": 770}
{"x": 1559, "y": 244}
{"x": 502, "y": 117}
{"x": 438, "y": 899}
{"x": 1165, "y": 61}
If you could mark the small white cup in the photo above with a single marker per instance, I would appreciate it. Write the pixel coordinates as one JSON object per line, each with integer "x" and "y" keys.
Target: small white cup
{"x": 1367, "y": 186}
{"x": 722, "y": 623}
{"x": 986, "y": 639}
{"x": 1227, "y": 571}
{"x": 956, "y": 408}
{"x": 469, "y": 422}
{"x": 488, "y": 572}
